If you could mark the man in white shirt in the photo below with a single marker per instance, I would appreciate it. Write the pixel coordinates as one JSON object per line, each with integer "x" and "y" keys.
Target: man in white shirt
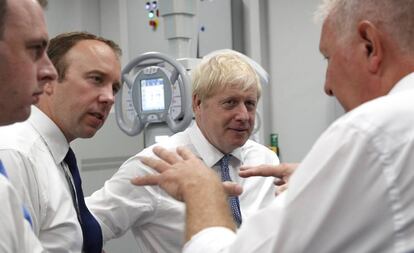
{"x": 353, "y": 192}
{"x": 226, "y": 90}
{"x": 74, "y": 106}
{"x": 24, "y": 70}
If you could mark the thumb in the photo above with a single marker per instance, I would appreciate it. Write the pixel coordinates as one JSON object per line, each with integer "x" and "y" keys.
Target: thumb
{"x": 232, "y": 189}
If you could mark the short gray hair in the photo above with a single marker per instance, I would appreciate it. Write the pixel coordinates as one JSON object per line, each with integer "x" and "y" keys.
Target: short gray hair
{"x": 395, "y": 17}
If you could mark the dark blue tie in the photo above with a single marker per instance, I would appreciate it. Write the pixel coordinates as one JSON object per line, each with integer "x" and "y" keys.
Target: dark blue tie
{"x": 26, "y": 213}
{"x": 92, "y": 234}
{"x": 234, "y": 200}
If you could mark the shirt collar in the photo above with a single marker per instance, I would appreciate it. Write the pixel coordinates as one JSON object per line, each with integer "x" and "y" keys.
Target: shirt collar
{"x": 51, "y": 134}
{"x": 205, "y": 150}
{"x": 405, "y": 83}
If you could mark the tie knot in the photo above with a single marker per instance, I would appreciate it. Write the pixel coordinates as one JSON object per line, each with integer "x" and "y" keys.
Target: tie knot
{"x": 224, "y": 162}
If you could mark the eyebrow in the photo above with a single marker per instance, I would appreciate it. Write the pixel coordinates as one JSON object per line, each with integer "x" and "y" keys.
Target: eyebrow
{"x": 42, "y": 41}
{"x": 99, "y": 72}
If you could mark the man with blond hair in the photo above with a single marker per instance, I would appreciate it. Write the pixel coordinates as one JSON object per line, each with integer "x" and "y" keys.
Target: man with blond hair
{"x": 226, "y": 90}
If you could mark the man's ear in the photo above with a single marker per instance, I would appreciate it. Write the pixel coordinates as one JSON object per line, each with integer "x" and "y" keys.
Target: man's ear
{"x": 372, "y": 45}
{"x": 196, "y": 102}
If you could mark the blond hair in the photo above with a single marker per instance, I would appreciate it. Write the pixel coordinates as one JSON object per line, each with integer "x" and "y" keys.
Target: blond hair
{"x": 220, "y": 70}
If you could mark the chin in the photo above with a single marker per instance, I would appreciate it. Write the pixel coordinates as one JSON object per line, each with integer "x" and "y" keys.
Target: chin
{"x": 22, "y": 116}
{"x": 88, "y": 134}
{"x": 238, "y": 144}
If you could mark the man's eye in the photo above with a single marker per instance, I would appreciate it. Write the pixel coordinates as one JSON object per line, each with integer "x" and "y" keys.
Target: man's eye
{"x": 116, "y": 88}
{"x": 96, "y": 79}
{"x": 230, "y": 102}
{"x": 37, "y": 50}
{"x": 251, "y": 104}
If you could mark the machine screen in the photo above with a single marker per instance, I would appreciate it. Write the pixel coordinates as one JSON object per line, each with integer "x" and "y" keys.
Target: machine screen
{"x": 152, "y": 94}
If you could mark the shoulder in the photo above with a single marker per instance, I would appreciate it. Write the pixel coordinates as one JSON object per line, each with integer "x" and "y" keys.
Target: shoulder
{"x": 19, "y": 136}
{"x": 387, "y": 119}
{"x": 255, "y": 153}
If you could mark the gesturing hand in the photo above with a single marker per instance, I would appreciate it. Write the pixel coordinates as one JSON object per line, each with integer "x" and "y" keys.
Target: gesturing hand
{"x": 180, "y": 173}
{"x": 281, "y": 172}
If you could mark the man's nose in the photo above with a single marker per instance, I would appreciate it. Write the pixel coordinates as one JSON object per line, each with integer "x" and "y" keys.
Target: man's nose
{"x": 46, "y": 71}
{"x": 242, "y": 112}
{"x": 107, "y": 95}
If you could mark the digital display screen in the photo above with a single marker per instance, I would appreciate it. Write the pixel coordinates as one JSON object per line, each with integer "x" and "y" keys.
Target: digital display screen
{"x": 152, "y": 94}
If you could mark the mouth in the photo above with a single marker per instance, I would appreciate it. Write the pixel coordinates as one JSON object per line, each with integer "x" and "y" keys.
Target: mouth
{"x": 98, "y": 115}
{"x": 240, "y": 130}
{"x": 37, "y": 93}
{"x": 36, "y": 97}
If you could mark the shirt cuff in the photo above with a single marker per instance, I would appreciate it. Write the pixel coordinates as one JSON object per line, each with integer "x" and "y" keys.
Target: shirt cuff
{"x": 211, "y": 240}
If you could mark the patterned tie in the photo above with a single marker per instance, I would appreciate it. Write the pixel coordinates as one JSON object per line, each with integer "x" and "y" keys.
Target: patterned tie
{"x": 234, "y": 200}
{"x": 92, "y": 234}
{"x": 26, "y": 213}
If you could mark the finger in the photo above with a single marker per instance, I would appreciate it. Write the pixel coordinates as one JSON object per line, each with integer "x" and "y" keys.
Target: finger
{"x": 278, "y": 181}
{"x": 166, "y": 155}
{"x": 281, "y": 188}
{"x": 232, "y": 189}
{"x": 263, "y": 170}
{"x": 146, "y": 180}
{"x": 185, "y": 153}
{"x": 158, "y": 165}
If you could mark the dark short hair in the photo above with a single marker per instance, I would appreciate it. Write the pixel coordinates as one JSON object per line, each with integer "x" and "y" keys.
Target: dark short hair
{"x": 43, "y": 3}
{"x": 61, "y": 44}
{"x": 3, "y": 11}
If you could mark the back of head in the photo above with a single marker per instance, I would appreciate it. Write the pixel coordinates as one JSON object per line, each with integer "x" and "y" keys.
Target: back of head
{"x": 394, "y": 17}
{"x": 220, "y": 70}
{"x": 61, "y": 44}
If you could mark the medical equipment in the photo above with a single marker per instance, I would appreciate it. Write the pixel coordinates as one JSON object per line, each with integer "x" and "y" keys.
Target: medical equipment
{"x": 157, "y": 94}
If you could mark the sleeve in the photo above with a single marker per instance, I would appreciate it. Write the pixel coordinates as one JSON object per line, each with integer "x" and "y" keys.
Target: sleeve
{"x": 22, "y": 176}
{"x": 325, "y": 208}
{"x": 119, "y": 205}
{"x": 258, "y": 192}
{"x": 217, "y": 238}
{"x": 15, "y": 233}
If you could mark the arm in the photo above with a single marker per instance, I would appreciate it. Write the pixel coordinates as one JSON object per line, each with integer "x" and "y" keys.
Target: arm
{"x": 187, "y": 179}
{"x": 119, "y": 206}
{"x": 334, "y": 190}
{"x": 25, "y": 182}
{"x": 15, "y": 233}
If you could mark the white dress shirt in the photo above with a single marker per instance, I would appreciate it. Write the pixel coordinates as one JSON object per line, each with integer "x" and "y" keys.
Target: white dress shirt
{"x": 36, "y": 148}
{"x": 354, "y": 191}
{"x": 156, "y": 219}
{"x": 16, "y": 235}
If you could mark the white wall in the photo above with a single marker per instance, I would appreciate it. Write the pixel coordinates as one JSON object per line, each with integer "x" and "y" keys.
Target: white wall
{"x": 73, "y": 15}
{"x": 300, "y": 110}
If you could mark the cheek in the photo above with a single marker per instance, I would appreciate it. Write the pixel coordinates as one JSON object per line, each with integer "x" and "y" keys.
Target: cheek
{"x": 252, "y": 117}
{"x": 330, "y": 83}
